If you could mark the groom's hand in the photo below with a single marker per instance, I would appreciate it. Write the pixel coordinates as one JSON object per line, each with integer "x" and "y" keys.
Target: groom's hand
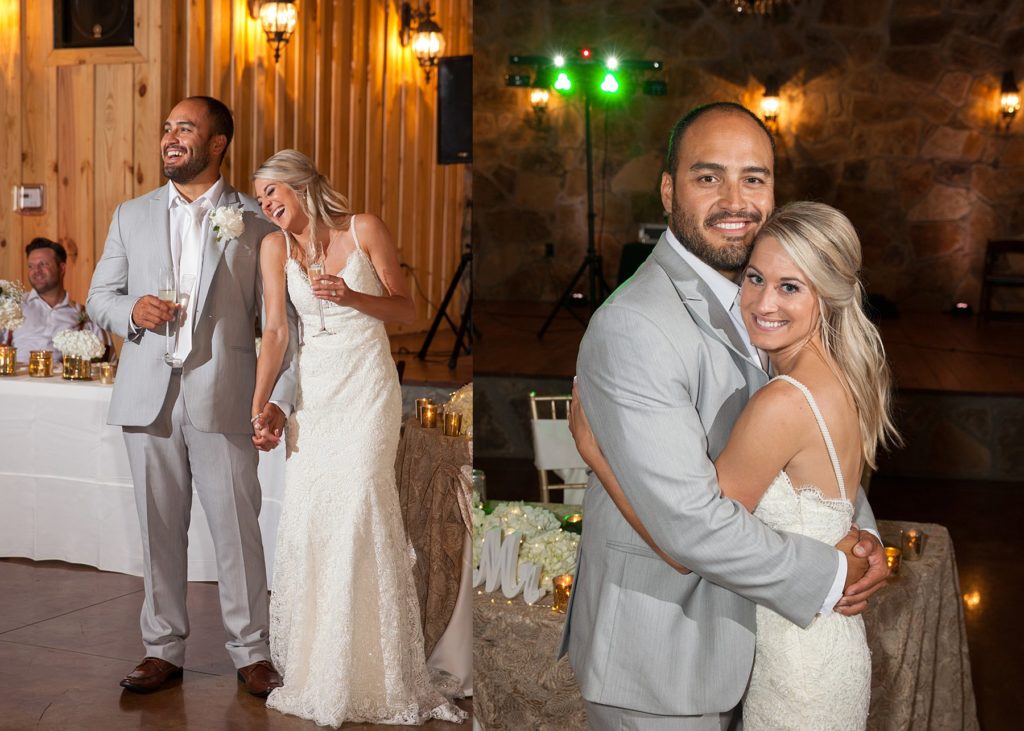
{"x": 855, "y": 597}
{"x": 268, "y": 428}
{"x": 152, "y": 312}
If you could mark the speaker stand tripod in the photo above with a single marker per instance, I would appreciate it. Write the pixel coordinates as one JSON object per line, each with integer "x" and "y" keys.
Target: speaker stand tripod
{"x": 598, "y": 288}
{"x": 464, "y": 332}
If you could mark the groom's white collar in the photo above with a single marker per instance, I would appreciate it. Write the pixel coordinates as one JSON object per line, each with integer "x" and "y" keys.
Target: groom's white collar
{"x": 210, "y": 197}
{"x": 724, "y": 289}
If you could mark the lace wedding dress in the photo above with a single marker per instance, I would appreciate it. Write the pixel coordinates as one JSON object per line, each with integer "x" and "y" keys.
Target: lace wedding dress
{"x": 344, "y": 618}
{"x": 820, "y": 677}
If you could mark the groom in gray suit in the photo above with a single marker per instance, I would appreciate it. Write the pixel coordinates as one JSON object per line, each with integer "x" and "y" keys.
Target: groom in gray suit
{"x": 187, "y": 423}
{"x": 663, "y": 372}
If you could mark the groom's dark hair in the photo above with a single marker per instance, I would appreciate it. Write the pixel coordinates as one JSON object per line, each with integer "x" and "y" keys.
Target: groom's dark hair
{"x": 221, "y": 122}
{"x": 679, "y": 130}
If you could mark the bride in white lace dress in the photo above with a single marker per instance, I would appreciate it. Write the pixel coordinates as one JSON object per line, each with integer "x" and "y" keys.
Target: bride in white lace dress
{"x": 796, "y": 453}
{"x": 344, "y": 620}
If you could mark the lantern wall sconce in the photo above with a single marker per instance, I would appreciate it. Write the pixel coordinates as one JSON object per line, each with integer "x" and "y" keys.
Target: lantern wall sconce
{"x": 770, "y": 104}
{"x": 539, "y": 101}
{"x": 1009, "y": 99}
{"x": 278, "y": 19}
{"x": 424, "y": 35}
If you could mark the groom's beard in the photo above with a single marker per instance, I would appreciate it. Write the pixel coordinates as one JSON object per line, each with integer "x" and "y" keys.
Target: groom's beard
{"x": 187, "y": 172}
{"x": 730, "y": 258}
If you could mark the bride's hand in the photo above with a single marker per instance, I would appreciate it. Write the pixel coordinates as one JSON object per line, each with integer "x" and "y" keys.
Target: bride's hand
{"x": 579, "y": 426}
{"x": 334, "y": 289}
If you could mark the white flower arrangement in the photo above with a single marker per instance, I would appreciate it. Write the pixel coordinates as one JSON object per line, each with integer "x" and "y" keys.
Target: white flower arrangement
{"x": 11, "y": 315}
{"x": 543, "y": 540}
{"x": 79, "y": 344}
{"x": 227, "y": 223}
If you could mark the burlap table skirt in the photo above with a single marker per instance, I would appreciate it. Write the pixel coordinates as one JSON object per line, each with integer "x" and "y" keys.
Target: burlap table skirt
{"x": 921, "y": 677}
{"x": 435, "y": 494}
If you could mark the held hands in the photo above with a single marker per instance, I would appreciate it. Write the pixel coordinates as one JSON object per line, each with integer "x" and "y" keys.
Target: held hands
{"x": 333, "y": 289}
{"x": 267, "y": 427}
{"x": 866, "y": 570}
{"x": 152, "y": 313}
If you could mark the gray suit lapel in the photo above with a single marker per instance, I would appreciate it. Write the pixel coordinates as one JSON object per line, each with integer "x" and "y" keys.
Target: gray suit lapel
{"x": 213, "y": 250}
{"x": 160, "y": 213}
{"x": 698, "y": 298}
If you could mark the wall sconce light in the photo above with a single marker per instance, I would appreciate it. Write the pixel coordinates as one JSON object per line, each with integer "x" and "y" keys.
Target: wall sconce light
{"x": 539, "y": 101}
{"x": 770, "y": 104}
{"x": 1009, "y": 99}
{"x": 426, "y": 37}
{"x": 278, "y": 19}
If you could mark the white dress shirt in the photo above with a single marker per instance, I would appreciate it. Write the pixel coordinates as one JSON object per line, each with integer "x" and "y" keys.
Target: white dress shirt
{"x": 727, "y": 293}
{"x": 187, "y": 244}
{"x": 42, "y": 322}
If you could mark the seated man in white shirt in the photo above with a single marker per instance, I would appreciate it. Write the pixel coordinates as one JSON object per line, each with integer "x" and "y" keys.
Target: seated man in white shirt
{"x": 48, "y": 308}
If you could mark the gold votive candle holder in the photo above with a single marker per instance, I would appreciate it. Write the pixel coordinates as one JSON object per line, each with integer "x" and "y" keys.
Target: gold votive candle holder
{"x": 452, "y": 424}
{"x": 563, "y": 587}
{"x": 76, "y": 369}
{"x": 8, "y": 360}
{"x": 913, "y": 544}
{"x": 893, "y": 559}
{"x": 40, "y": 363}
{"x": 420, "y": 403}
{"x": 107, "y": 372}
{"x": 428, "y": 416}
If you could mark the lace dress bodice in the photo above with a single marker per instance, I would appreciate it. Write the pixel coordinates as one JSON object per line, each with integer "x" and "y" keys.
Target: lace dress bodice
{"x": 817, "y": 677}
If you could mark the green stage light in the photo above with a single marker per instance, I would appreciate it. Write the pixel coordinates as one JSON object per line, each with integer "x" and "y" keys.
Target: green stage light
{"x": 563, "y": 83}
{"x": 610, "y": 85}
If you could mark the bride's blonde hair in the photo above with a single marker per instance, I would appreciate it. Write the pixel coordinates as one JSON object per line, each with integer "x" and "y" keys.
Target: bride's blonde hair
{"x": 322, "y": 204}
{"x": 823, "y": 244}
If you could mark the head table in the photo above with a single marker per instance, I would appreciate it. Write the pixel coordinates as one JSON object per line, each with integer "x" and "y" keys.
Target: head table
{"x": 921, "y": 674}
{"x": 66, "y": 489}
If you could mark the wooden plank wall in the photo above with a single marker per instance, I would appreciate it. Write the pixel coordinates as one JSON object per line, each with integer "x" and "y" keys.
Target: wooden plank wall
{"x": 344, "y": 91}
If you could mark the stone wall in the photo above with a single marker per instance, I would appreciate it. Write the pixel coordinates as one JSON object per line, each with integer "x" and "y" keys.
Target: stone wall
{"x": 889, "y": 112}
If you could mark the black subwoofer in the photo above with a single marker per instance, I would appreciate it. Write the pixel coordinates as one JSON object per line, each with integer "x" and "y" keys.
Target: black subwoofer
{"x": 93, "y": 23}
{"x": 455, "y": 110}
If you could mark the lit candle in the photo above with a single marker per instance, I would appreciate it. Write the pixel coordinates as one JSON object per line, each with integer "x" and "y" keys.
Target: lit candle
{"x": 452, "y": 424}
{"x": 563, "y": 587}
{"x": 892, "y": 559}
{"x": 913, "y": 544}
{"x": 420, "y": 403}
{"x": 573, "y": 523}
{"x": 428, "y": 416}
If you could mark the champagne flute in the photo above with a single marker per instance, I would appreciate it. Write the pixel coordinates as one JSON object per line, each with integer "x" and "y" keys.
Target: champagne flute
{"x": 182, "y": 296}
{"x": 316, "y": 268}
{"x": 167, "y": 290}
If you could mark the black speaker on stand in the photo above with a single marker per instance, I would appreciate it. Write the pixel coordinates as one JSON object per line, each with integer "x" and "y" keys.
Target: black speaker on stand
{"x": 454, "y": 110}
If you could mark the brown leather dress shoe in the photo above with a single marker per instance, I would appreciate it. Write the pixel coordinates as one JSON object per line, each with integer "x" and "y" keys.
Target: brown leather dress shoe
{"x": 260, "y": 678}
{"x": 149, "y": 675}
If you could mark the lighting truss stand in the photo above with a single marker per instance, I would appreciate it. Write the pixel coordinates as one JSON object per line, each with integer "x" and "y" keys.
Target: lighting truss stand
{"x": 592, "y": 265}
{"x": 464, "y": 332}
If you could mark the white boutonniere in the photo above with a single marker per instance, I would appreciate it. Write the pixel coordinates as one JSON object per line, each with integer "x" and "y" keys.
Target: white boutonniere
{"x": 227, "y": 223}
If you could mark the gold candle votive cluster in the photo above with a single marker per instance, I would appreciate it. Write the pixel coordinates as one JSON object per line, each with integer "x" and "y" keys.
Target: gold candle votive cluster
{"x": 563, "y": 588}
{"x": 912, "y": 544}
{"x": 893, "y": 559}
{"x": 40, "y": 363}
{"x": 107, "y": 372}
{"x": 8, "y": 360}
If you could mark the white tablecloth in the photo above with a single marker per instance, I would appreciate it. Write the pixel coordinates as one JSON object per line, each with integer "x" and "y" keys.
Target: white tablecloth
{"x": 66, "y": 490}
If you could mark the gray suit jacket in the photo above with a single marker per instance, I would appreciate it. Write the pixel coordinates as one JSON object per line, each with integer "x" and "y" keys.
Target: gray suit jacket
{"x": 219, "y": 374}
{"x": 663, "y": 375}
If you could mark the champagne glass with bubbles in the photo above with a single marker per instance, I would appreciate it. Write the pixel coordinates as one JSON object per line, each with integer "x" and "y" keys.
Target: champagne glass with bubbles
{"x": 167, "y": 290}
{"x": 182, "y": 295}
{"x": 315, "y": 269}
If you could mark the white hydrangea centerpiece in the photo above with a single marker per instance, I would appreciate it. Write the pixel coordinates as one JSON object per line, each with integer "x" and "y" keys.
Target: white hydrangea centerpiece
{"x": 543, "y": 540}
{"x": 79, "y": 344}
{"x": 11, "y": 315}
{"x": 227, "y": 223}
